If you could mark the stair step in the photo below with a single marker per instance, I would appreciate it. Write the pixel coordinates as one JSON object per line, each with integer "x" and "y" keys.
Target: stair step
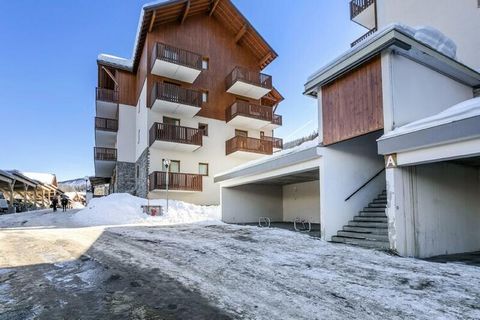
{"x": 370, "y": 219}
{"x": 362, "y": 242}
{"x": 367, "y": 209}
{"x": 372, "y": 214}
{"x": 366, "y": 229}
{"x": 381, "y": 197}
{"x": 377, "y": 205}
{"x": 363, "y": 235}
{"x": 368, "y": 224}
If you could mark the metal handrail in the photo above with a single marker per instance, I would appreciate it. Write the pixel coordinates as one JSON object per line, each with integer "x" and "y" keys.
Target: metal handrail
{"x": 363, "y": 185}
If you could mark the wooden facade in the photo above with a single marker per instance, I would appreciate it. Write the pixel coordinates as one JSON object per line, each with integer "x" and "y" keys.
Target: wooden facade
{"x": 352, "y": 105}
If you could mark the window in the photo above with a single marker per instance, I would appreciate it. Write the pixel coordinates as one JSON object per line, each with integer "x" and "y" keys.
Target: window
{"x": 174, "y": 166}
{"x": 204, "y": 128}
{"x": 241, "y": 133}
{"x": 203, "y": 169}
{"x": 262, "y": 134}
{"x": 173, "y": 121}
{"x": 205, "y": 62}
{"x": 205, "y": 96}
{"x": 138, "y": 136}
{"x": 138, "y": 171}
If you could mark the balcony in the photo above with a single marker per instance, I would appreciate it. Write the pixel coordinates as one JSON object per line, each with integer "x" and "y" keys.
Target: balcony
{"x": 277, "y": 143}
{"x": 105, "y": 131}
{"x": 105, "y": 160}
{"x": 106, "y": 103}
{"x": 242, "y": 114}
{"x": 177, "y": 138}
{"x": 175, "y": 63}
{"x": 364, "y": 13}
{"x": 275, "y": 123}
{"x": 248, "y": 148}
{"x": 248, "y": 83}
{"x": 363, "y": 37}
{"x": 175, "y": 100}
{"x": 176, "y": 181}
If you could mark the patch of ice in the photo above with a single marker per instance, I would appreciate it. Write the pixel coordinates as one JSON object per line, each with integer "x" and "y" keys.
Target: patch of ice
{"x": 463, "y": 110}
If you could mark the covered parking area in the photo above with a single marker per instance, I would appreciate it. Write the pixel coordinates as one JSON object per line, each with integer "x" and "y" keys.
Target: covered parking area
{"x": 283, "y": 188}
{"x": 433, "y": 184}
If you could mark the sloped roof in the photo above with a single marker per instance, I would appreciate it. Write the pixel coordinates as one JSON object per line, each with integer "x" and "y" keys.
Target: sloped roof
{"x": 45, "y": 178}
{"x": 160, "y": 12}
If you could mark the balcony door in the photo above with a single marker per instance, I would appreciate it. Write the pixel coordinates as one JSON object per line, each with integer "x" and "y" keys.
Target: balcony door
{"x": 174, "y": 166}
{"x": 172, "y": 121}
{"x": 241, "y": 133}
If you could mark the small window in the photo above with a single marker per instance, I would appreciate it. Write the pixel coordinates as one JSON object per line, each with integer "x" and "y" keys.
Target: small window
{"x": 262, "y": 134}
{"x": 138, "y": 136}
{"x": 174, "y": 166}
{"x": 173, "y": 121}
{"x": 138, "y": 171}
{"x": 241, "y": 133}
{"x": 203, "y": 169}
{"x": 205, "y": 96}
{"x": 204, "y": 128}
{"x": 205, "y": 63}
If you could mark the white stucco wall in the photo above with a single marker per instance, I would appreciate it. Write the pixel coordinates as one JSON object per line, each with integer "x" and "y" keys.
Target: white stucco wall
{"x": 126, "y": 133}
{"x": 412, "y": 91}
{"x": 243, "y": 204}
{"x": 302, "y": 200}
{"x": 458, "y": 19}
{"x": 141, "y": 123}
{"x": 211, "y": 152}
{"x": 345, "y": 167}
{"x": 434, "y": 209}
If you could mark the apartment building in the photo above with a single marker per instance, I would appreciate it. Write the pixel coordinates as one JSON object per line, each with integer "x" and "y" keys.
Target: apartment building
{"x": 397, "y": 164}
{"x": 193, "y": 93}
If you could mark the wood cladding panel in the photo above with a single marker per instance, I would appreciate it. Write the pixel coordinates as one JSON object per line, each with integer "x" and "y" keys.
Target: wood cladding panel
{"x": 207, "y": 36}
{"x": 352, "y": 105}
{"x": 127, "y": 93}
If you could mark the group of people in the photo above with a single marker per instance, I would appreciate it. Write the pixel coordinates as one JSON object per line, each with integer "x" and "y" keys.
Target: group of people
{"x": 63, "y": 202}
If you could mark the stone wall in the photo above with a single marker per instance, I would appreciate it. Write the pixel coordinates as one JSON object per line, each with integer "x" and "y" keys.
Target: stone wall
{"x": 141, "y": 180}
{"x": 125, "y": 178}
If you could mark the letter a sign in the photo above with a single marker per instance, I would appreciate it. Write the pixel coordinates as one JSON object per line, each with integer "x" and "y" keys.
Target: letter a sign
{"x": 390, "y": 161}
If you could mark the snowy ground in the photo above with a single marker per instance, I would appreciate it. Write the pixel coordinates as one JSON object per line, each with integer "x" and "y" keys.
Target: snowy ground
{"x": 210, "y": 270}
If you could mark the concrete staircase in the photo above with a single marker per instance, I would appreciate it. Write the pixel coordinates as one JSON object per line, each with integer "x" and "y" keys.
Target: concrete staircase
{"x": 369, "y": 228}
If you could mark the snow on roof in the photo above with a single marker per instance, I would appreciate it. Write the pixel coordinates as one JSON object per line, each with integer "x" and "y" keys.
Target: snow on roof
{"x": 118, "y": 61}
{"x": 45, "y": 178}
{"x": 424, "y": 34}
{"x": 306, "y": 145}
{"x": 463, "y": 110}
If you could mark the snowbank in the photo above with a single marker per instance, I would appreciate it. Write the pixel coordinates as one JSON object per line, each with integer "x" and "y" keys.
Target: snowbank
{"x": 463, "y": 110}
{"x": 433, "y": 38}
{"x": 122, "y": 208}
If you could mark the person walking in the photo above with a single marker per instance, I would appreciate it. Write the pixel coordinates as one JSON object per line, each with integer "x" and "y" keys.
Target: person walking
{"x": 64, "y": 204}
{"x": 54, "y": 203}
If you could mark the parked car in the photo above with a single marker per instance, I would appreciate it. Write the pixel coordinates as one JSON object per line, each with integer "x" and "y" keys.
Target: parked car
{"x": 3, "y": 203}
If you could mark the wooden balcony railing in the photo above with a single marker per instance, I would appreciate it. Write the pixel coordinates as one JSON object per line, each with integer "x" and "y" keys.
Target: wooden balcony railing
{"x": 107, "y": 95}
{"x": 277, "y": 119}
{"x": 247, "y": 109}
{"x": 105, "y": 154}
{"x": 176, "y": 181}
{"x": 173, "y": 133}
{"x": 175, "y": 94}
{"x": 277, "y": 142}
{"x": 357, "y": 6}
{"x": 106, "y": 124}
{"x": 363, "y": 37}
{"x": 175, "y": 55}
{"x": 247, "y": 144}
{"x": 248, "y": 76}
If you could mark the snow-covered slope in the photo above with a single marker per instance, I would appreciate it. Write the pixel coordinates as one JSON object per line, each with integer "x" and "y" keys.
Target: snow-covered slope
{"x": 74, "y": 185}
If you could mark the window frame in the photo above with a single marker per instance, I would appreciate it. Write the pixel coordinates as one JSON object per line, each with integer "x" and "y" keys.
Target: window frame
{"x": 204, "y": 132}
{"x": 208, "y": 169}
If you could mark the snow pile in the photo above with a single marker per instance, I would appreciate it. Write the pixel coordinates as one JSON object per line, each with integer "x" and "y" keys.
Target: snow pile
{"x": 127, "y": 63}
{"x": 463, "y": 110}
{"x": 304, "y": 146}
{"x": 122, "y": 208}
{"x": 433, "y": 38}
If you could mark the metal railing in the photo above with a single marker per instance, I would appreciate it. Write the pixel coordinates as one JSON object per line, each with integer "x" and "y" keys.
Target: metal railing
{"x": 176, "y": 181}
{"x": 363, "y": 37}
{"x": 175, "y": 94}
{"x": 277, "y": 119}
{"x": 357, "y": 6}
{"x": 239, "y": 143}
{"x": 363, "y": 185}
{"x": 105, "y": 154}
{"x": 106, "y": 124}
{"x": 277, "y": 142}
{"x": 173, "y": 133}
{"x": 248, "y": 76}
{"x": 176, "y": 55}
{"x": 247, "y": 109}
{"x": 107, "y": 95}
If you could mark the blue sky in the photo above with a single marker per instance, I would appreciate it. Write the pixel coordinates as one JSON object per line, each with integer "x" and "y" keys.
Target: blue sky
{"x": 48, "y": 69}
